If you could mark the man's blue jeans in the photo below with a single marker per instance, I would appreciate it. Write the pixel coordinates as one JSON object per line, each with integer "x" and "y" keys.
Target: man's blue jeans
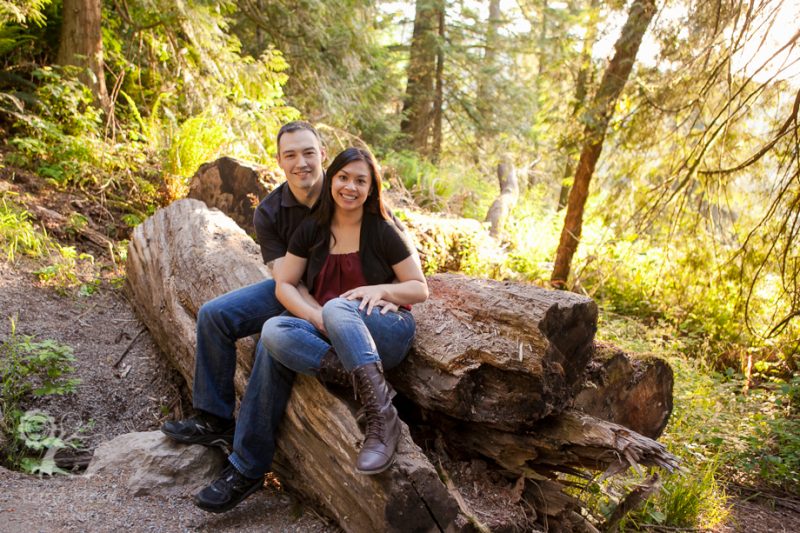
{"x": 220, "y": 323}
{"x": 358, "y": 338}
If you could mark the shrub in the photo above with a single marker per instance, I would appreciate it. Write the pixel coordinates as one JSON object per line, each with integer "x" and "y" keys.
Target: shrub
{"x": 28, "y": 369}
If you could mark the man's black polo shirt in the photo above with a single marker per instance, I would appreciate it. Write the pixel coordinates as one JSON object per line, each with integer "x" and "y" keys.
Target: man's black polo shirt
{"x": 275, "y": 219}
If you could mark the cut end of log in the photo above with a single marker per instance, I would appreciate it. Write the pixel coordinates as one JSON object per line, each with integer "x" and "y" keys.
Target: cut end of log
{"x": 634, "y": 391}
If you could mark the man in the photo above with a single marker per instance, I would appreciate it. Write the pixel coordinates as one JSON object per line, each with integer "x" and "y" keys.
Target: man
{"x": 242, "y": 313}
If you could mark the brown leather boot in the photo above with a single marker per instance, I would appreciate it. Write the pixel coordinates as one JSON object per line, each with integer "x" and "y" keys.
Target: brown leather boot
{"x": 383, "y": 424}
{"x": 331, "y": 371}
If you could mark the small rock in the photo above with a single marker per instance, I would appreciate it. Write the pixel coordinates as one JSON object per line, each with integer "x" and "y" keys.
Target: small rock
{"x": 151, "y": 463}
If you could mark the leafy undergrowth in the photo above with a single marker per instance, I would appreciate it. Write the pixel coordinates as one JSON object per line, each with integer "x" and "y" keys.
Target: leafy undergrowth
{"x": 32, "y": 369}
{"x": 727, "y": 431}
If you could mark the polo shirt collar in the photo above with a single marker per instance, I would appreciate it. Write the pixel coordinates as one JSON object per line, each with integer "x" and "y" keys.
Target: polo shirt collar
{"x": 288, "y": 199}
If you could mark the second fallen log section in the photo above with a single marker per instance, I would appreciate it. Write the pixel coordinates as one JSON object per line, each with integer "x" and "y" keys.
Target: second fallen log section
{"x": 502, "y": 354}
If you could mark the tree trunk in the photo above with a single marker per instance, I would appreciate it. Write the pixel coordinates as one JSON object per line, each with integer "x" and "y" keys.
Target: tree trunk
{"x": 487, "y": 86}
{"x": 438, "y": 100}
{"x": 509, "y": 194}
{"x": 418, "y": 109}
{"x": 81, "y": 44}
{"x": 599, "y": 115}
{"x": 581, "y": 87}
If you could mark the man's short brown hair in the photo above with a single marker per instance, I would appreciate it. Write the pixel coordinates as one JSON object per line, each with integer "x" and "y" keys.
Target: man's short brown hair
{"x": 297, "y": 125}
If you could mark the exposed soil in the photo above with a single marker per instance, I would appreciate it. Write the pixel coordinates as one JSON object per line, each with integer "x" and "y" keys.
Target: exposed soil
{"x": 135, "y": 396}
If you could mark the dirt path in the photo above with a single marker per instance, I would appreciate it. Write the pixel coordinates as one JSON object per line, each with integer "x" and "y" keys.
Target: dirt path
{"x": 132, "y": 397}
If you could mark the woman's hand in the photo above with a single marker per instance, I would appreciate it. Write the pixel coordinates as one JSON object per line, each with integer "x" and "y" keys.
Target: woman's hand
{"x": 387, "y": 306}
{"x": 370, "y": 296}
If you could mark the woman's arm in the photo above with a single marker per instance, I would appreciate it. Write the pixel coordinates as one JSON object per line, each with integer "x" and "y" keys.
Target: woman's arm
{"x": 287, "y": 272}
{"x": 410, "y": 287}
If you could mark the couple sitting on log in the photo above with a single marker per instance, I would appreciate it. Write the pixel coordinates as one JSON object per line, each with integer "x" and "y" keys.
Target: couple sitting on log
{"x": 345, "y": 275}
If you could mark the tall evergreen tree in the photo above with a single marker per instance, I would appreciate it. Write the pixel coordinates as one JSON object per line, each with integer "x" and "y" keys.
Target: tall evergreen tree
{"x": 81, "y": 44}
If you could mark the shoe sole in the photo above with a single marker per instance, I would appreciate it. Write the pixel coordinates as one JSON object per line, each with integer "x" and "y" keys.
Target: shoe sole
{"x": 208, "y": 440}
{"x": 371, "y": 472}
{"x": 230, "y": 505}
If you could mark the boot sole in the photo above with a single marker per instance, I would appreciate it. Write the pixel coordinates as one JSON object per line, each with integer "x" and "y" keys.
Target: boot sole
{"x": 230, "y": 505}
{"x": 371, "y": 472}
{"x": 205, "y": 440}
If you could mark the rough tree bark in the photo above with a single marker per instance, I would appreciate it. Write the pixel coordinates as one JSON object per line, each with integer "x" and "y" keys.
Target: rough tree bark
{"x": 502, "y": 354}
{"x": 509, "y": 194}
{"x": 581, "y": 86}
{"x": 438, "y": 98}
{"x": 234, "y": 187}
{"x": 599, "y": 115}
{"x": 418, "y": 113}
{"x": 81, "y": 44}
{"x": 487, "y": 85}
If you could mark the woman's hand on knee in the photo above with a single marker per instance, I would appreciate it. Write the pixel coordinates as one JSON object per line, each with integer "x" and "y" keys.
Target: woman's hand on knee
{"x": 369, "y": 295}
{"x": 387, "y": 306}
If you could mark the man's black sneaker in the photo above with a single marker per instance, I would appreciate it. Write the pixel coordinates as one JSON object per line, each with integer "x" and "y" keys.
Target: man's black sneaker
{"x": 227, "y": 492}
{"x": 202, "y": 429}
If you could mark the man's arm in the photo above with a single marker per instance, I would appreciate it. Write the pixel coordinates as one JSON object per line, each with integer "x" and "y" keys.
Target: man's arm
{"x": 288, "y": 272}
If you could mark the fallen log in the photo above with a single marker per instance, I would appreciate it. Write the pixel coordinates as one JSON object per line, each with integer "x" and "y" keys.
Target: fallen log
{"x": 563, "y": 443}
{"x": 634, "y": 391}
{"x": 234, "y": 187}
{"x": 193, "y": 254}
{"x": 186, "y": 254}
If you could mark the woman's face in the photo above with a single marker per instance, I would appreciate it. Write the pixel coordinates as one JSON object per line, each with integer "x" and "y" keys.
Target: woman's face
{"x": 351, "y": 185}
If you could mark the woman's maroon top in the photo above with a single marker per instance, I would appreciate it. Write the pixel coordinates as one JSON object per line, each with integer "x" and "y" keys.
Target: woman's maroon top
{"x": 339, "y": 274}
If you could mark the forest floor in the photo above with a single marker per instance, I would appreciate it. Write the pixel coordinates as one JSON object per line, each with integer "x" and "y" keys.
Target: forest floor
{"x": 135, "y": 396}
{"x": 138, "y": 392}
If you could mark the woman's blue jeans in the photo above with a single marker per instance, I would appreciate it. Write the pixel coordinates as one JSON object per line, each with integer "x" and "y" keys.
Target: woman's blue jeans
{"x": 358, "y": 338}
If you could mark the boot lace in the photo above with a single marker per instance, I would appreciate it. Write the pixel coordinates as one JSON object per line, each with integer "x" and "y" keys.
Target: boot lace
{"x": 365, "y": 392}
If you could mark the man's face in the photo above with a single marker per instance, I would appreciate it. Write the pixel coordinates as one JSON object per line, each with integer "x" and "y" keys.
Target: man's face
{"x": 300, "y": 157}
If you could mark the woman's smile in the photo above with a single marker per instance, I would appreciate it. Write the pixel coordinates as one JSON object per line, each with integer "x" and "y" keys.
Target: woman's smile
{"x": 350, "y": 187}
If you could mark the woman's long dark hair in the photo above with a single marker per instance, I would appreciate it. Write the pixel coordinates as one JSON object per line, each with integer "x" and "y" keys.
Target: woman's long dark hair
{"x": 374, "y": 203}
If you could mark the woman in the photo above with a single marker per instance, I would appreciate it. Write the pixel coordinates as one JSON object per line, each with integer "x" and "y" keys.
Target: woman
{"x": 362, "y": 275}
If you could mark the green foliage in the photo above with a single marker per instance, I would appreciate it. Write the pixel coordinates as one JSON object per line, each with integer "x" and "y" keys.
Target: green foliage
{"x": 720, "y": 426}
{"x": 197, "y": 141}
{"x": 22, "y": 11}
{"x": 532, "y": 235}
{"x": 59, "y": 139}
{"x": 18, "y": 235}
{"x": 63, "y": 271}
{"x": 195, "y": 96}
{"x": 28, "y": 369}
{"x": 449, "y": 187}
{"x": 341, "y": 70}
